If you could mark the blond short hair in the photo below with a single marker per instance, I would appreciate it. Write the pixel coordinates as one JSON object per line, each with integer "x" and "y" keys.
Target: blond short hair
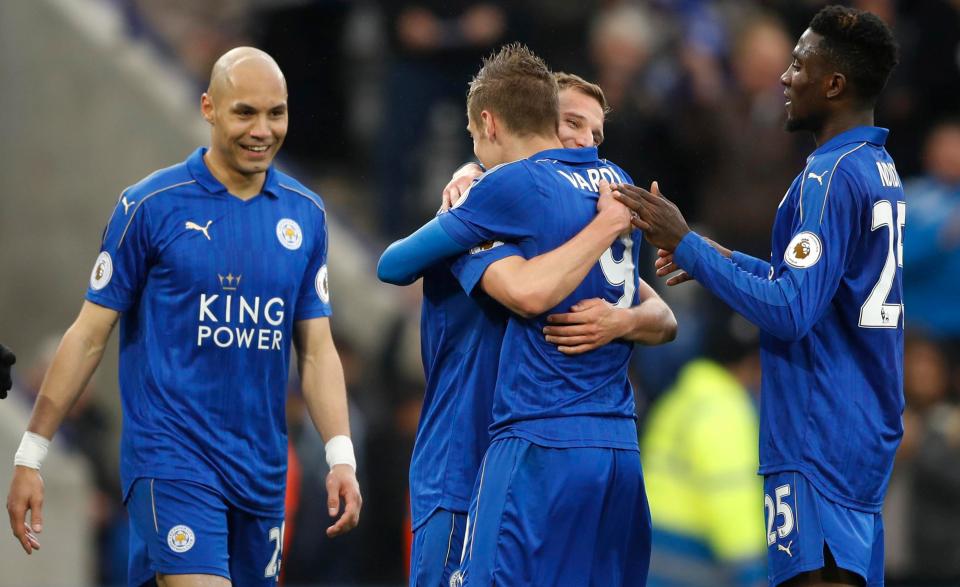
{"x": 517, "y": 85}
{"x": 573, "y": 81}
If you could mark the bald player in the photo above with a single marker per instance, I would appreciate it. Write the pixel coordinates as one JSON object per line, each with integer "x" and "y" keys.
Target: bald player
{"x": 212, "y": 267}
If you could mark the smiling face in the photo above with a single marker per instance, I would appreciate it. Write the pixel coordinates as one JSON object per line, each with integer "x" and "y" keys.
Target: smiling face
{"x": 804, "y": 85}
{"x": 246, "y": 107}
{"x": 581, "y": 120}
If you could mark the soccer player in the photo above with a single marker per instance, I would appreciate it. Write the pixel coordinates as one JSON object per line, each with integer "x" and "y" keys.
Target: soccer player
{"x": 590, "y": 323}
{"x": 583, "y": 107}
{"x": 212, "y": 266}
{"x": 452, "y": 435}
{"x": 559, "y": 499}
{"x": 830, "y": 306}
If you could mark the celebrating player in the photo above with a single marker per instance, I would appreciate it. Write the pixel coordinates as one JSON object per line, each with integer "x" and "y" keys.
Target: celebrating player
{"x": 594, "y": 322}
{"x": 453, "y": 431}
{"x": 559, "y": 499}
{"x": 212, "y": 266}
{"x": 830, "y": 305}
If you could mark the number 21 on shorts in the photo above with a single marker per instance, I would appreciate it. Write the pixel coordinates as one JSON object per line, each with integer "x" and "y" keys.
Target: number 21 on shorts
{"x": 275, "y": 537}
{"x": 778, "y": 510}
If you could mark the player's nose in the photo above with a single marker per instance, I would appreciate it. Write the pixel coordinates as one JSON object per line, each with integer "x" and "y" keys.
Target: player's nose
{"x": 260, "y": 129}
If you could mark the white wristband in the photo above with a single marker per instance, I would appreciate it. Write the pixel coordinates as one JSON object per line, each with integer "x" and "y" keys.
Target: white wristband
{"x": 340, "y": 452}
{"x": 32, "y": 451}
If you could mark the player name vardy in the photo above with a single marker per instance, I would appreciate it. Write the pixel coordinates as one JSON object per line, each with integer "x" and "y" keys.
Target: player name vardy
{"x": 592, "y": 183}
{"x": 246, "y": 314}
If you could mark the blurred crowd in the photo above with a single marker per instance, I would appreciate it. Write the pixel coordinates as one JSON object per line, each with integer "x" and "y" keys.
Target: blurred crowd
{"x": 377, "y": 122}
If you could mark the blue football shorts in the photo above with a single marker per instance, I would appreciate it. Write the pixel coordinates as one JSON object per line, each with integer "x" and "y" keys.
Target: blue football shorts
{"x": 801, "y": 521}
{"x": 544, "y": 516}
{"x": 437, "y": 546}
{"x": 185, "y": 528}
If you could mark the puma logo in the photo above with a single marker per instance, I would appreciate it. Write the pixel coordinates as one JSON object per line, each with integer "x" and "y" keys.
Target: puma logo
{"x": 819, "y": 178}
{"x": 786, "y": 548}
{"x": 191, "y": 225}
{"x": 126, "y": 204}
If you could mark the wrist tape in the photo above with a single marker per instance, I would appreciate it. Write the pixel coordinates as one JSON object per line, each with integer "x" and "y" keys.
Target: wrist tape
{"x": 339, "y": 451}
{"x": 32, "y": 450}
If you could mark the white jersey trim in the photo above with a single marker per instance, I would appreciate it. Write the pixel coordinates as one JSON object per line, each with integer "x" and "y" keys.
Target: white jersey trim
{"x": 114, "y": 213}
{"x": 140, "y": 203}
{"x": 826, "y": 193}
{"x": 312, "y": 199}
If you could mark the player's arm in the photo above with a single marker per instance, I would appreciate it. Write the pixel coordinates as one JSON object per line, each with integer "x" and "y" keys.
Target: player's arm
{"x": 651, "y": 322}
{"x": 530, "y": 287}
{"x": 398, "y": 261}
{"x": 404, "y": 261}
{"x": 788, "y": 304}
{"x": 776, "y": 306}
{"x": 748, "y": 263}
{"x": 325, "y": 394}
{"x": 593, "y": 323}
{"x": 458, "y": 184}
{"x": 75, "y": 361}
{"x": 665, "y": 264}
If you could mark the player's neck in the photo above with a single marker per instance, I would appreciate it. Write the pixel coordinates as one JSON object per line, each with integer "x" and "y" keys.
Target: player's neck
{"x": 842, "y": 122}
{"x": 240, "y": 185}
{"x": 521, "y": 148}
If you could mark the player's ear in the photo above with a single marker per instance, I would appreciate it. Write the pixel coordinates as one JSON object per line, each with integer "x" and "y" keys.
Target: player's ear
{"x": 835, "y": 84}
{"x": 206, "y": 107}
{"x": 489, "y": 129}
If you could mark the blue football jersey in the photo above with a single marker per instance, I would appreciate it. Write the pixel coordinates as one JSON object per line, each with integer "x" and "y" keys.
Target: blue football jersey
{"x": 209, "y": 287}
{"x": 830, "y": 307}
{"x": 460, "y": 338}
{"x": 542, "y": 395}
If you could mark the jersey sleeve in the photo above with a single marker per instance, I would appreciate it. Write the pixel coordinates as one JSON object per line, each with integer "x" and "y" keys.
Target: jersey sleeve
{"x": 406, "y": 259}
{"x": 314, "y": 298}
{"x": 120, "y": 271}
{"x": 502, "y": 204}
{"x": 469, "y": 268}
{"x": 751, "y": 264}
{"x": 806, "y": 278}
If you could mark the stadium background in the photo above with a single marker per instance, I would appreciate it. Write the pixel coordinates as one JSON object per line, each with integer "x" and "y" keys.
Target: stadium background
{"x": 98, "y": 93}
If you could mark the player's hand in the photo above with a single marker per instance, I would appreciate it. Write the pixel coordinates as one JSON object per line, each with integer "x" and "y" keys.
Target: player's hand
{"x": 665, "y": 266}
{"x": 660, "y": 220}
{"x": 7, "y": 359}
{"x": 590, "y": 324}
{"x": 26, "y": 493}
{"x": 461, "y": 180}
{"x": 616, "y": 211}
{"x": 342, "y": 487}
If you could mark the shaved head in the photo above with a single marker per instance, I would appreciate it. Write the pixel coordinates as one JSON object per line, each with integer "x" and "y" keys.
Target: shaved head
{"x": 242, "y": 62}
{"x": 246, "y": 106}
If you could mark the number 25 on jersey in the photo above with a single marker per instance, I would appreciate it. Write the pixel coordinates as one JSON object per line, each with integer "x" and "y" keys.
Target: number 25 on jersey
{"x": 876, "y": 312}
